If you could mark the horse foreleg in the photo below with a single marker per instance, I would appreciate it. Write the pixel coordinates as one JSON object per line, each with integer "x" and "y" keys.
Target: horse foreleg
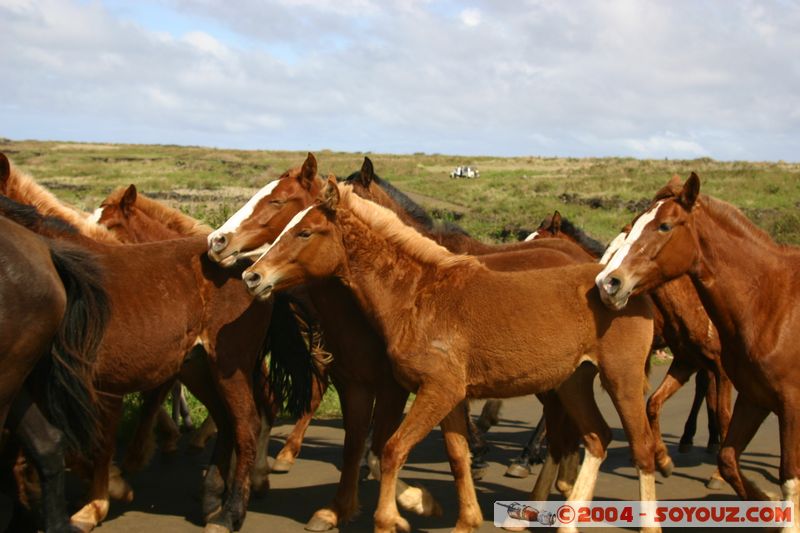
{"x": 724, "y": 389}
{"x": 433, "y": 402}
{"x": 680, "y": 370}
{"x": 356, "y": 403}
{"x": 747, "y": 418}
{"x": 91, "y": 514}
{"x": 490, "y": 415}
{"x": 291, "y": 449}
{"x": 44, "y": 445}
{"x": 236, "y": 391}
{"x": 454, "y": 428}
{"x": 789, "y": 425}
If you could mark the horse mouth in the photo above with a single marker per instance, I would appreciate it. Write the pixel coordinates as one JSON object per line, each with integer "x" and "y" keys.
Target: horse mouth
{"x": 264, "y": 292}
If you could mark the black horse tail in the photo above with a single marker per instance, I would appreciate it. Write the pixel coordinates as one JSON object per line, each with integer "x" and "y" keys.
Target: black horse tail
{"x": 66, "y": 376}
{"x": 292, "y": 369}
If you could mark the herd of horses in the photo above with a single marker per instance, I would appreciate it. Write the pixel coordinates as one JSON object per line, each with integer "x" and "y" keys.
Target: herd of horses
{"x": 349, "y": 282}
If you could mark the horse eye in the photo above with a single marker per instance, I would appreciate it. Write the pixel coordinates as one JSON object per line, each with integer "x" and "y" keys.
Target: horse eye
{"x": 276, "y": 202}
{"x": 664, "y": 227}
{"x": 305, "y": 234}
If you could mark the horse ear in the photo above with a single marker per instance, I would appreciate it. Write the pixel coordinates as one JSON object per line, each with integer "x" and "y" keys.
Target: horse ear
{"x": 5, "y": 170}
{"x": 330, "y": 195}
{"x": 128, "y": 199}
{"x": 309, "y": 171}
{"x": 690, "y": 191}
{"x": 367, "y": 173}
{"x": 555, "y": 223}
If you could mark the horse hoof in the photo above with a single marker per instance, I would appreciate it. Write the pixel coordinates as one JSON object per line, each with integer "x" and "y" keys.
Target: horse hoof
{"x": 564, "y": 487}
{"x": 212, "y": 515}
{"x": 685, "y": 447}
{"x": 216, "y": 528}
{"x": 318, "y": 523}
{"x": 715, "y": 483}
{"x": 281, "y": 466}
{"x": 478, "y": 473}
{"x": 514, "y": 528}
{"x": 666, "y": 467}
{"x": 518, "y": 471}
{"x": 82, "y": 527}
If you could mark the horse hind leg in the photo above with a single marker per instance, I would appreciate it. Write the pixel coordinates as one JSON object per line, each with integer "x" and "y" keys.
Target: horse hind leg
{"x": 44, "y": 445}
{"x": 356, "y": 405}
{"x": 291, "y": 449}
{"x": 679, "y": 372}
{"x": 789, "y": 424}
{"x": 142, "y": 445}
{"x": 690, "y": 428}
{"x": 747, "y": 418}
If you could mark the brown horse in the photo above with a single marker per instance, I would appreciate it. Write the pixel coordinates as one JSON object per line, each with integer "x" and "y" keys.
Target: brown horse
{"x": 748, "y": 285}
{"x": 360, "y": 369}
{"x": 52, "y": 318}
{"x": 133, "y": 218}
{"x": 694, "y": 342}
{"x": 455, "y": 329}
{"x": 176, "y": 313}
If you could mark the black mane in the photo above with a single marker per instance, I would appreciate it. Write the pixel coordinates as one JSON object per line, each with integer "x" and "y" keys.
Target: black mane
{"x": 29, "y": 217}
{"x": 592, "y": 245}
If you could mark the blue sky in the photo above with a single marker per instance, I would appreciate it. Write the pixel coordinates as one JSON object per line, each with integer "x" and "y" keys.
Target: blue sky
{"x": 679, "y": 79}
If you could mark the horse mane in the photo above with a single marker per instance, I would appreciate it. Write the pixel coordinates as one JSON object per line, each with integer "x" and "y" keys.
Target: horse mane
{"x": 170, "y": 217}
{"x": 734, "y": 220}
{"x": 414, "y": 210}
{"x": 592, "y": 245}
{"x": 24, "y": 189}
{"x": 30, "y": 218}
{"x": 388, "y": 225}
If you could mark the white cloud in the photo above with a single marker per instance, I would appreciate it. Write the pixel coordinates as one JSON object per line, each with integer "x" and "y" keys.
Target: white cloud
{"x": 584, "y": 78}
{"x": 470, "y": 17}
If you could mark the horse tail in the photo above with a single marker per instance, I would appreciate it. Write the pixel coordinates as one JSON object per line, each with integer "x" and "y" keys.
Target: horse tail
{"x": 292, "y": 369}
{"x": 66, "y": 376}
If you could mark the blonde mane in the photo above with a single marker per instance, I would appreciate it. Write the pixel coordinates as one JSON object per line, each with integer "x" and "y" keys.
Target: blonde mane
{"x": 170, "y": 217}
{"x": 388, "y": 225}
{"x": 24, "y": 189}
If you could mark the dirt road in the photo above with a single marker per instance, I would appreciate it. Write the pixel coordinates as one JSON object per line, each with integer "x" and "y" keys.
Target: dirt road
{"x": 167, "y": 492}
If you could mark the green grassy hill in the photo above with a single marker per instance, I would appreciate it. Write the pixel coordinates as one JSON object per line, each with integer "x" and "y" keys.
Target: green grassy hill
{"x": 599, "y": 195}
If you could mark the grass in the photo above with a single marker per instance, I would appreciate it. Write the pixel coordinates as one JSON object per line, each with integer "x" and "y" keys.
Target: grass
{"x": 599, "y": 195}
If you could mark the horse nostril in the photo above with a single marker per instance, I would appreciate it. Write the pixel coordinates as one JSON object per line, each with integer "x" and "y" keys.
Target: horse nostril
{"x": 612, "y": 284}
{"x": 219, "y": 242}
{"x": 252, "y": 279}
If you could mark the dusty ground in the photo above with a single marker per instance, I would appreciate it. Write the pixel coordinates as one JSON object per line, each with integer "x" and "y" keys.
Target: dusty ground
{"x": 166, "y": 493}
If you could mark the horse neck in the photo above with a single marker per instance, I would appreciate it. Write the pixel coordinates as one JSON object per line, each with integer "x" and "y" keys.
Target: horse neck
{"x": 729, "y": 287}
{"x": 25, "y": 190}
{"x": 387, "y": 281}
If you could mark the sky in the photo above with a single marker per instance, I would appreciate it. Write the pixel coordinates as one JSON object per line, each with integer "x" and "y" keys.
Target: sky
{"x": 647, "y": 79}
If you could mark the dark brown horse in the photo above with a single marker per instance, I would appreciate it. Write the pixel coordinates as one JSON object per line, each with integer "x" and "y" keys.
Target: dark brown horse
{"x": 52, "y": 318}
{"x": 456, "y": 329}
{"x": 175, "y": 313}
{"x": 695, "y": 345}
{"x": 748, "y": 285}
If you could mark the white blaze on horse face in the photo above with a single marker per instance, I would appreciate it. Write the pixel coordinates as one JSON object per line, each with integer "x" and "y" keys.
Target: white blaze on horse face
{"x": 94, "y": 218}
{"x": 292, "y": 223}
{"x": 612, "y": 248}
{"x": 630, "y": 240}
{"x": 246, "y": 211}
{"x": 531, "y": 236}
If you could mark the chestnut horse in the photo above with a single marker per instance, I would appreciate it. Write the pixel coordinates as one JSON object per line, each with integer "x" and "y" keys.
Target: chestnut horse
{"x": 53, "y": 316}
{"x": 360, "y": 369}
{"x": 695, "y": 345}
{"x": 282, "y": 199}
{"x": 134, "y": 218}
{"x": 456, "y": 329}
{"x": 748, "y": 285}
{"x": 175, "y": 313}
